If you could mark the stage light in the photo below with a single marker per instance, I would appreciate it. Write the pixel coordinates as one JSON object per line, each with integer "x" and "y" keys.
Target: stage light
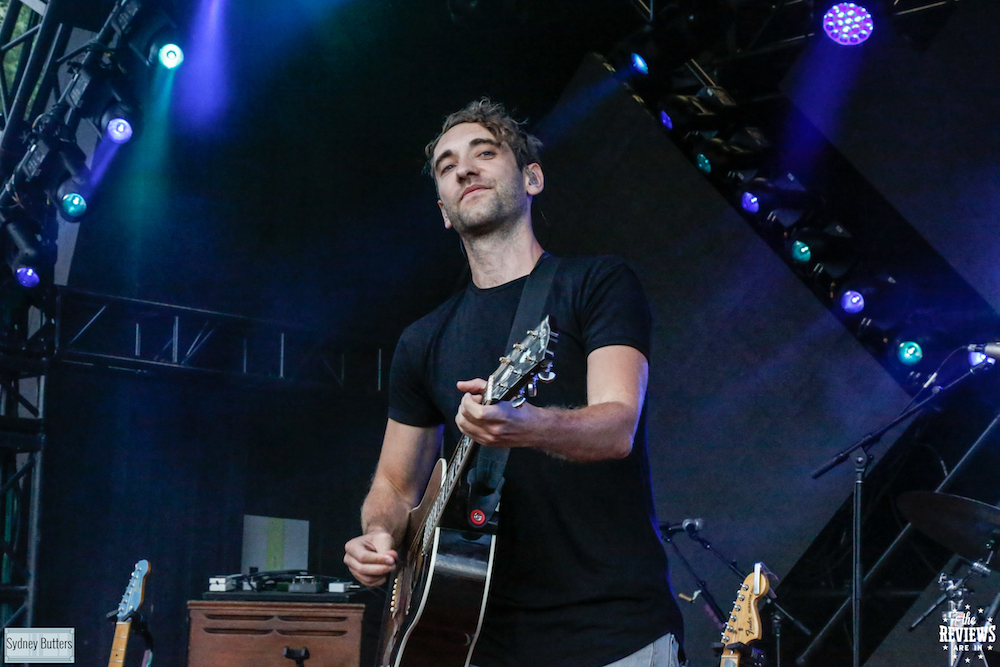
{"x": 801, "y": 252}
{"x": 25, "y": 250}
{"x": 750, "y": 202}
{"x": 783, "y": 200}
{"x": 71, "y": 192}
{"x": 118, "y": 130}
{"x": 149, "y": 33}
{"x": 27, "y": 276}
{"x": 976, "y": 358}
{"x": 848, "y": 24}
{"x": 711, "y": 110}
{"x": 829, "y": 249}
{"x": 909, "y": 352}
{"x": 639, "y": 63}
{"x": 720, "y": 158}
{"x": 171, "y": 55}
{"x": 120, "y": 121}
{"x": 879, "y": 300}
{"x": 852, "y": 302}
{"x": 73, "y": 205}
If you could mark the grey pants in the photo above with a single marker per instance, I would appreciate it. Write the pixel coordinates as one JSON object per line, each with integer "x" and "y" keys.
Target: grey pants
{"x": 661, "y": 653}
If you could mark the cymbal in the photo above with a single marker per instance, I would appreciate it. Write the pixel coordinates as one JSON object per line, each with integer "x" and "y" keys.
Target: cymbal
{"x": 967, "y": 527}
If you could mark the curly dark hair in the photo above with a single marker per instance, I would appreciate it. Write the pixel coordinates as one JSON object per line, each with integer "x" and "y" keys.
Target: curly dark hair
{"x": 494, "y": 118}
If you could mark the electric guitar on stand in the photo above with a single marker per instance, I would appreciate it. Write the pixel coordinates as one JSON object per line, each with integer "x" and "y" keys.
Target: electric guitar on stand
{"x": 743, "y": 626}
{"x": 437, "y": 596}
{"x": 127, "y": 608}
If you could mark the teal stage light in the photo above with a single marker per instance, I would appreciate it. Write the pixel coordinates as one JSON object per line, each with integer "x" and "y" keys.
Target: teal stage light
{"x": 171, "y": 56}
{"x": 801, "y": 252}
{"x": 909, "y": 352}
{"x": 74, "y": 205}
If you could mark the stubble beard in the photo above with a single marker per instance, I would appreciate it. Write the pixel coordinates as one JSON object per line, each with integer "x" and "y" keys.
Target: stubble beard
{"x": 498, "y": 217}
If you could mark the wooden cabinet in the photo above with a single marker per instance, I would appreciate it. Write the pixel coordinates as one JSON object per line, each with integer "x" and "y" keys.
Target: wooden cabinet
{"x": 254, "y": 634}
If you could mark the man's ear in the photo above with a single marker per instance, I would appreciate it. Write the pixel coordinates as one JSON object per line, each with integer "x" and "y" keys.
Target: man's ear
{"x": 447, "y": 222}
{"x": 534, "y": 179}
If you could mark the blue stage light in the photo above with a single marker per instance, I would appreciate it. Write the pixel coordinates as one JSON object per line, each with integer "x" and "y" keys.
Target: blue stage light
{"x": 639, "y": 64}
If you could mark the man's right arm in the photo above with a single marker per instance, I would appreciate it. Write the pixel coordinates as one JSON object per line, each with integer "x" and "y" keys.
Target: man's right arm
{"x": 408, "y": 455}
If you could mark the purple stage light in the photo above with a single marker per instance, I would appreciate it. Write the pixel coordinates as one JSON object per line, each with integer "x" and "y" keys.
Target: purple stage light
{"x": 27, "y": 276}
{"x": 852, "y": 302}
{"x": 666, "y": 121}
{"x": 749, "y": 202}
{"x": 848, "y": 24}
{"x": 119, "y": 130}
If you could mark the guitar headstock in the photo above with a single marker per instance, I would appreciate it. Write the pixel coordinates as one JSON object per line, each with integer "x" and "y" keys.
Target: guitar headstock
{"x": 133, "y": 592}
{"x": 527, "y": 361}
{"x": 744, "y": 622}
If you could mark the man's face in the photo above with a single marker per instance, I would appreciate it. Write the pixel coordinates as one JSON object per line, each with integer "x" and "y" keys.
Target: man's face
{"x": 480, "y": 188}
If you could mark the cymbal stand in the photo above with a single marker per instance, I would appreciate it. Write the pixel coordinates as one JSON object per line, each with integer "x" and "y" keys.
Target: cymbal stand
{"x": 952, "y": 589}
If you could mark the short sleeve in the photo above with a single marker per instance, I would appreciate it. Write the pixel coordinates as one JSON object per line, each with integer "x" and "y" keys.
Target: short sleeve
{"x": 409, "y": 398}
{"x": 615, "y": 309}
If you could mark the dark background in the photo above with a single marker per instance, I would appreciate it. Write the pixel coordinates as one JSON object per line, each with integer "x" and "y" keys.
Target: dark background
{"x": 300, "y": 199}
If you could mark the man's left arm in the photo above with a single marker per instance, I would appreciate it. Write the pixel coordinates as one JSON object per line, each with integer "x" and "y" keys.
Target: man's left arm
{"x": 604, "y": 429}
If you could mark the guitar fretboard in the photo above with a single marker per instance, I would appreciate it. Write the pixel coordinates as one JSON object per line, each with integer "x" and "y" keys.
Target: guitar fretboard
{"x": 447, "y": 486}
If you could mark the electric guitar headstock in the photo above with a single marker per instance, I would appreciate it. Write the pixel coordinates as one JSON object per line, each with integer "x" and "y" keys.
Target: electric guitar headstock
{"x": 744, "y": 622}
{"x": 529, "y": 360}
{"x": 132, "y": 599}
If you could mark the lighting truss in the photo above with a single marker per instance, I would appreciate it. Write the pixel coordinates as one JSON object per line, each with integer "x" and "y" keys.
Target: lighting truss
{"x": 755, "y": 50}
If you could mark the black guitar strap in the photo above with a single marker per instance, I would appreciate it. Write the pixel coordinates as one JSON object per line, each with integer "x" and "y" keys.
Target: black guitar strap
{"x": 486, "y": 477}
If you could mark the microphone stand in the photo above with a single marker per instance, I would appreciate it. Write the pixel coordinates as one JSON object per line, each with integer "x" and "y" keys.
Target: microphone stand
{"x": 720, "y": 615}
{"x": 858, "y": 452}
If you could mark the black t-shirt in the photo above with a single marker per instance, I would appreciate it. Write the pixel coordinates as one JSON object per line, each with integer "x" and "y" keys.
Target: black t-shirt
{"x": 580, "y": 577}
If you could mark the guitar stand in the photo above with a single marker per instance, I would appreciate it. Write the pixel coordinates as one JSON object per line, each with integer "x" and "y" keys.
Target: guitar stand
{"x": 299, "y": 655}
{"x": 754, "y": 657}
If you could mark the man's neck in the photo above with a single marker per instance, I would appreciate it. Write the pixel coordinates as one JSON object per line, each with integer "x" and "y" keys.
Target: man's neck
{"x": 499, "y": 259}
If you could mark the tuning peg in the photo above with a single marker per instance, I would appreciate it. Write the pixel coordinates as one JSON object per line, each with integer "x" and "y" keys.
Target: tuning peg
{"x": 549, "y": 353}
{"x": 547, "y": 375}
{"x": 518, "y": 401}
{"x": 553, "y": 336}
{"x": 532, "y": 388}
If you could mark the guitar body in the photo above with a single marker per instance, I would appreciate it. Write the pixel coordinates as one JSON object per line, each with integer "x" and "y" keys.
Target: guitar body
{"x": 447, "y": 603}
{"x": 437, "y": 600}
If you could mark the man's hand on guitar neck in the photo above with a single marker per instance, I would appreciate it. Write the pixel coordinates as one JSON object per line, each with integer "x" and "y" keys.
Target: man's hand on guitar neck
{"x": 370, "y": 557}
{"x": 603, "y": 429}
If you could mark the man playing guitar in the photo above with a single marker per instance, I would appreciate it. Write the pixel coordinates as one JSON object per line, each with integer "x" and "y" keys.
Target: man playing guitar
{"x": 580, "y": 577}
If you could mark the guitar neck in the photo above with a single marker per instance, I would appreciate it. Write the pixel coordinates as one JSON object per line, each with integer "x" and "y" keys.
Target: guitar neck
{"x": 730, "y": 658}
{"x": 122, "y": 629}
